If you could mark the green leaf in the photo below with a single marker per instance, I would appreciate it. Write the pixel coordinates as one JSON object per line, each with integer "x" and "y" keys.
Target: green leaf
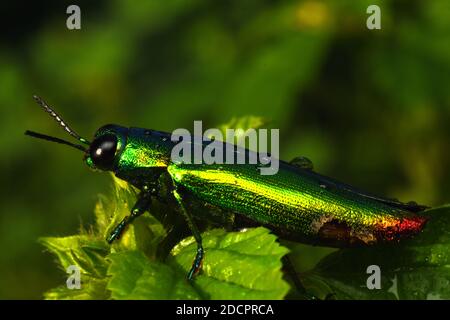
{"x": 83, "y": 251}
{"x": 91, "y": 289}
{"x": 244, "y": 123}
{"x": 418, "y": 268}
{"x": 237, "y": 265}
{"x": 240, "y": 126}
{"x": 87, "y": 253}
{"x": 134, "y": 276}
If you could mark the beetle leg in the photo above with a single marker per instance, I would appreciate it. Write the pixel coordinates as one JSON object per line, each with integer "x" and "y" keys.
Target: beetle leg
{"x": 196, "y": 265}
{"x": 174, "y": 235}
{"x": 139, "y": 208}
{"x": 291, "y": 271}
{"x": 287, "y": 263}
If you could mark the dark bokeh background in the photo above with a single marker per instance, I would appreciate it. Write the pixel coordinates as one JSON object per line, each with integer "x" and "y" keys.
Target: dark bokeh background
{"x": 371, "y": 108}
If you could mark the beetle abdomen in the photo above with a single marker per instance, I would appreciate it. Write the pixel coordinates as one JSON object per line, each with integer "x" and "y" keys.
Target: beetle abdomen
{"x": 297, "y": 205}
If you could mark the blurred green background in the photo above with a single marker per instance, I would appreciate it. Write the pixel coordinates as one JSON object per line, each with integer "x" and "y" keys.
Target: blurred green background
{"x": 369, "y": 107}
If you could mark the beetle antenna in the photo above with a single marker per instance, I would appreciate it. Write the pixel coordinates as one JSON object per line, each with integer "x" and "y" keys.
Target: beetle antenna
{"x": 54, "y": 139}
{"x": 60, "y": 120}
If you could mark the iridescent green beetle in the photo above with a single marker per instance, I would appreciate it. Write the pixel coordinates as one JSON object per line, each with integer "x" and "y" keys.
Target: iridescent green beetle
{"x": 296, "y": 203}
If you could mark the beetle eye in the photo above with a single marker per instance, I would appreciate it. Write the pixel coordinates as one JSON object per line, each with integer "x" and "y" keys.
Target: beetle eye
{"x": 103, "y": 150}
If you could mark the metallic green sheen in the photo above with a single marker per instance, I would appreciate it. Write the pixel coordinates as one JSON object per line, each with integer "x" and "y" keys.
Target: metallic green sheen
{"x": 295, "y": 202}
